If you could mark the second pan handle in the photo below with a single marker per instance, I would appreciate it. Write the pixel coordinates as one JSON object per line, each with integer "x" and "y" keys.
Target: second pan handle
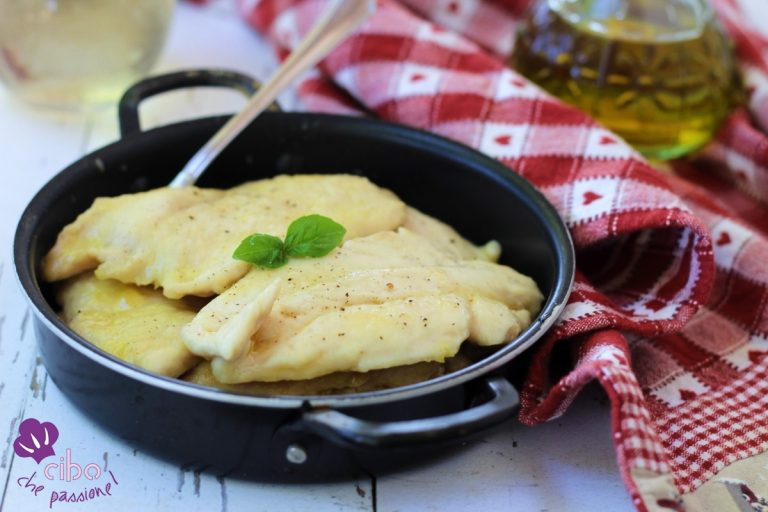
{"x": 346, "y": 430}
{"x": 128, "y": 108}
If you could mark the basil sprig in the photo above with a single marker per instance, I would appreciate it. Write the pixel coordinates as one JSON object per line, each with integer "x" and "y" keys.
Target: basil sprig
{"x": 311, "y": 236}
{"x": 263, "y": 250}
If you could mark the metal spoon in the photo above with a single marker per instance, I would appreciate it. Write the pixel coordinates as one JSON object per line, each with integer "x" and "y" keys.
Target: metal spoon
{"x": 336, "y": 24}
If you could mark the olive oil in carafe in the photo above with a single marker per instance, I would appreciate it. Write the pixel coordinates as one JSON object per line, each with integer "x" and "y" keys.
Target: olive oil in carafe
{"x": 657, "y": 72}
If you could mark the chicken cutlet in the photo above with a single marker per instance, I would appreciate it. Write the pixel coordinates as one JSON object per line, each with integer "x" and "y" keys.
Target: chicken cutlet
{"x": 384, "y": 300}
{"x": 138, "y": 325}
{"x": 335, "y": 383}
{"x": 181, "y": 240}
{"x": 446, "y": 239}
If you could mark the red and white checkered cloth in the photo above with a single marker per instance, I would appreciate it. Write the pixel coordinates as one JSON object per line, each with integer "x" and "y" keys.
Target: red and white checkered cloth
{"x": 669, "y": 307}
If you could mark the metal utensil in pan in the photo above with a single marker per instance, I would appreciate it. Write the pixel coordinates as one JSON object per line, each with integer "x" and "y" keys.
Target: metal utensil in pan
{"x": 288, "y": 437}
{"x": 340, "y": 19}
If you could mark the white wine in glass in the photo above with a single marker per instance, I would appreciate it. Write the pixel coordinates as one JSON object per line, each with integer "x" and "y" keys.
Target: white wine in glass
{"x": 79, "y": 54}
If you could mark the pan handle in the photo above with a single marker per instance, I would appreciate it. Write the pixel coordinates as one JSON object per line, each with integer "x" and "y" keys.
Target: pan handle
{"x": 349, "y": 431}
{"x": 128, "y": 108}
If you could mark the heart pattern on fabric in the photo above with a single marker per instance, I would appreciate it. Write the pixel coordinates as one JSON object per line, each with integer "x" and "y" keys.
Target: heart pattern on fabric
{"x": 723, "y": 239}
{"x": 655, "y": 305}
{"x": 590, "y": 197}
{"x": 756, "y": 355}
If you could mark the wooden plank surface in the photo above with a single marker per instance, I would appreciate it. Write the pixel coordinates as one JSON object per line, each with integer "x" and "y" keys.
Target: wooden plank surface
{"x": 567, "y": 464}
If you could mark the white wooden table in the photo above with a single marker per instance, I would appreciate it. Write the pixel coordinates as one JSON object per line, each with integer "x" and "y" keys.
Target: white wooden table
{"x": 568, "y": 464}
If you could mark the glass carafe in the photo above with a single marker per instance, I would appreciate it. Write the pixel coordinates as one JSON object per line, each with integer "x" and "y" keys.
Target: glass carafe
{"x": 659, "y": 73}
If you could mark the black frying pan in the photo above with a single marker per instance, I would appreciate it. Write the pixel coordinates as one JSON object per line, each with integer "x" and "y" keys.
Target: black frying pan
{"x": 278, "y": 436}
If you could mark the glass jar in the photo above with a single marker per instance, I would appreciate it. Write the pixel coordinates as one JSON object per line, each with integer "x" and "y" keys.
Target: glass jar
{"x": 79, "y": 53}
{"x": 660, "y": 73}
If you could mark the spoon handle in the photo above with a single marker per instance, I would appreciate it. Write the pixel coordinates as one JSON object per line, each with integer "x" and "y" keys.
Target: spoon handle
{"x": 336, "y": 24}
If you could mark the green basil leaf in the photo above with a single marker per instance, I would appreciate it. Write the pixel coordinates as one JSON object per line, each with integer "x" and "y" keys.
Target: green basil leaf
{"x": 261, "y": 250}
{"x": 313, "y": 236}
